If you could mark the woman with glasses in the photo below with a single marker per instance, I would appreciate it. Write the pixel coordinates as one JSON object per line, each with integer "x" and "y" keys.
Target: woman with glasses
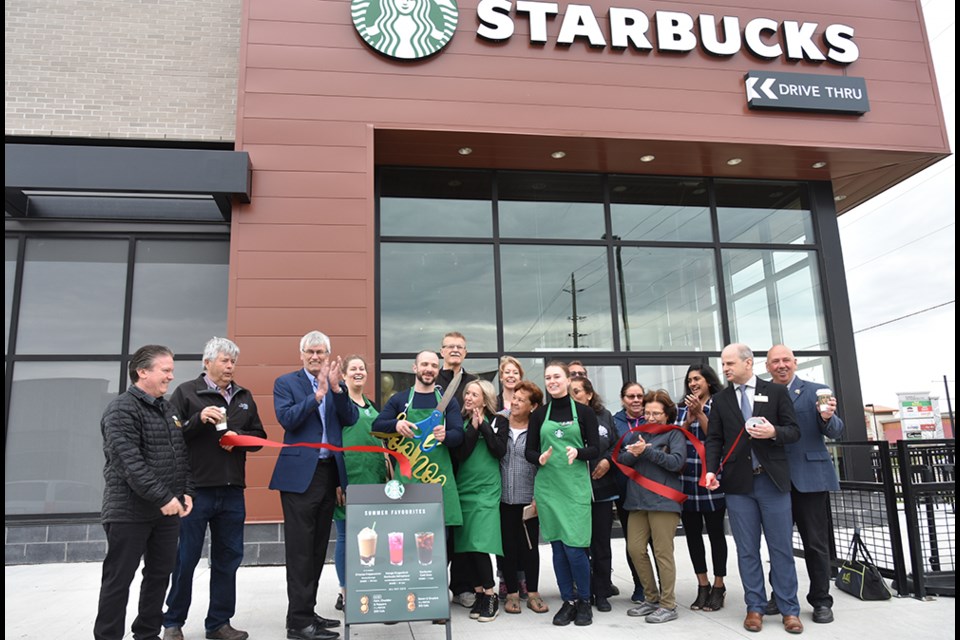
{"x": 658, "y": 456}
{"x": 562, "y": 440}
{"x": 703, "y": 507}
{"x": 631, "y": 415}
{"x": 605, "y": 491}
{"x": 478, "y": 479}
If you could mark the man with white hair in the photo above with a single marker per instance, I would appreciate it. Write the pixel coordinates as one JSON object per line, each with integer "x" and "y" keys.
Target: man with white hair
{"x": 211, "y": 406}
{"x": 312, "y": 406}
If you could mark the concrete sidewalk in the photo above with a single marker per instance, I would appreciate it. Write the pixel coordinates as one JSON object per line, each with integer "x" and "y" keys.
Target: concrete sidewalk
{"x": 59, "y": 602}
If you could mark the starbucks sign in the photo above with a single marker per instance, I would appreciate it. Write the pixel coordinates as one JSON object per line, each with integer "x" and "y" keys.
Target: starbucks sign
{"x": 405, "y": 29}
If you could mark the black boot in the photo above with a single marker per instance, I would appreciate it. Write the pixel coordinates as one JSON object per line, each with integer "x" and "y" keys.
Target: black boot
{"x": 715, "y": 601}
{"x": 566, "y": 615}
{"x": 703, "y": 592}
{"x": 584, "y": 615}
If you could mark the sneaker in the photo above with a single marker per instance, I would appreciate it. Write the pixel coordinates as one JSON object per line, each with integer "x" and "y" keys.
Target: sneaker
{"x": 339, "y": 604}
{"x": 662, "y": 615}
{"x": 479, "y": 602}
{"x": 644, "y": 609}
{"x": 226, "y": 632}
{"x": 566, "y": 615}
{"x": 637, "y": 596}
{"x": 491, "y": 606}
{"x": 523, "y": 590}
{"x": 465, "y": 599}
{"x": 173, "y": 633}
{"x": 584, "y": 615}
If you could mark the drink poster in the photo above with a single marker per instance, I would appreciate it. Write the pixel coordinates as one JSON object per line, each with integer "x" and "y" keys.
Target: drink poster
{"x": 920, "y": 416}
{"x": 396, "y": 549}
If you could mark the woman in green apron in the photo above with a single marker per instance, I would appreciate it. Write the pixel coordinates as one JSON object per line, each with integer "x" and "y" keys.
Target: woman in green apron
{"x": 362, "y": 467}
{"x": 562, "y": 439}
{"x": 478, "y": 480}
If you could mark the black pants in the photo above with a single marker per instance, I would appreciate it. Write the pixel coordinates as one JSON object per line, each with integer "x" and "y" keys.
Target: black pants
{"x": 127, "y": 543}
{"x": 479, "y": 569}
{"x": 517, "y": 554}
{"x": 601, "y": 557}
{"x": 461, "y": 577}
{"x": 810, "y": 512}
{"x": 307, "y": 518}
{"x": 693, "y": 522}
{"x": 623, "y": 515}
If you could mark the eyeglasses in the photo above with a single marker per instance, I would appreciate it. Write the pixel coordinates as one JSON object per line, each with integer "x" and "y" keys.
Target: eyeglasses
{"x": 653, "y": 414}
{"x": 454, "y": 347}
{"x": 578, "y": 374}
{"x": 634, "y": 396}
{"x": 315, "y": 352}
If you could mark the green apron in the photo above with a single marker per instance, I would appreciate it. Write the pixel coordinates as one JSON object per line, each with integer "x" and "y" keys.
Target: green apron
{"x": 362, "y": 467}
{"x": 562, "y": 490}
{"x": 479, "y": 481}
{"x": 429, "y": 467}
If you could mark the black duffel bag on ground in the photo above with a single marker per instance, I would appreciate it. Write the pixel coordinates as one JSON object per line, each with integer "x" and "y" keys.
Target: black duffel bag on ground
{"x": 861, "y": 577}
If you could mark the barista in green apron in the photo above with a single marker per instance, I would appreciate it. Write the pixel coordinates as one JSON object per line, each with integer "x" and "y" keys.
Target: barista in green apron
{"x": 562, "y": 438}
{"x": 362, "y": 467}
{"x": 397, "y": 423}
{"x": 478, "y": 479}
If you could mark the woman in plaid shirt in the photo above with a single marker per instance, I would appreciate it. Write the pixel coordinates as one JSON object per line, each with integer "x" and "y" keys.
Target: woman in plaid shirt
{"x": 702, "y": 506}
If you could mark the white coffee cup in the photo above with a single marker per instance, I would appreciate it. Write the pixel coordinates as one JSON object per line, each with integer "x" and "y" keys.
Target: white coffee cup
{"x": 222, "y": 423}
{"x": 823, "y": 399}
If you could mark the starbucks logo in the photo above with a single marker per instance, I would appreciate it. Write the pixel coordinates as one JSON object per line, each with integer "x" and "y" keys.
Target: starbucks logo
{"x": 405, "y": 29}
{"x": 393, "y": 490}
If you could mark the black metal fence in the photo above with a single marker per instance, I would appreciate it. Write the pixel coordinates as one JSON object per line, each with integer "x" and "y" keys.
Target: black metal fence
{"x": 881, "y": 501}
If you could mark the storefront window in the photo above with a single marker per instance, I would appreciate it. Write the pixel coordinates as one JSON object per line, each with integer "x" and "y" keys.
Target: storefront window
{"x": 774, "y": 297}
{"x": 417, "y": 203}
{"x": 660, "y": 209}
{"x": 427, "y": 290}
{"x": 72, "y": 300}
{"x": 550, "y": 205}
{"x": 669, "y": 300}
{"x": 170, "y": 277}
{"x": 764, "y": 212}
{"x": 555, "y": 297}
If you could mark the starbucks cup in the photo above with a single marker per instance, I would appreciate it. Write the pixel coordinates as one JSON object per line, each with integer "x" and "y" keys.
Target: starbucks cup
{"x": 222, "y": 423}
{"x": 823, "y": 399}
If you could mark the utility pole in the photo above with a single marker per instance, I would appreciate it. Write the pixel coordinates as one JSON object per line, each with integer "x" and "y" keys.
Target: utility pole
{"x": 575, "y": 318}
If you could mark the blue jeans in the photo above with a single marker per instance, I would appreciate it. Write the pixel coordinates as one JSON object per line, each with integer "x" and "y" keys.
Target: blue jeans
{"x": 340, "y": 552}
{"x": 223, "y": 509}
{"x": 768, "y": 509}
{"x": 571, "y": 565}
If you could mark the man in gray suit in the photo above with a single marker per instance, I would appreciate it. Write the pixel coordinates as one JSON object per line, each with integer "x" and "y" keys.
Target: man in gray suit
{"x": 812, "y": 476}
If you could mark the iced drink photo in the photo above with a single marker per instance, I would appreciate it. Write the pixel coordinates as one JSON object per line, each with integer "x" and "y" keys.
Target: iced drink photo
{"x": 396, "y": 547}
{"x": 367, "y": 541}
{"x": 425, "y": 548}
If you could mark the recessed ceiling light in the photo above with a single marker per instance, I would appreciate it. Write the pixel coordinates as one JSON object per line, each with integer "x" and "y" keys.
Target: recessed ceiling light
{"x": 648, "y": 158}
{"x": 619, "y": 188}
{"x": 454, "y": 183}
{"x": 700, "y": 191}
{"x": 464, "y": 151}
{"x": 538, "y": 186}
{"x": 775, "y": 194}
{"x": 734, "y": 161}
{"x": 840, "y": 198}
{"x": 557, "y": 155}
{"x": 819, "y": 165}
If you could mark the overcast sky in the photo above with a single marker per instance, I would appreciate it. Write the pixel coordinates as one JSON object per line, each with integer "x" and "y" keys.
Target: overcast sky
{"x": 899, "y": 252}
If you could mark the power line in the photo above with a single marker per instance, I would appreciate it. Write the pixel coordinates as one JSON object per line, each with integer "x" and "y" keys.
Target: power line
{"x": 889, "y": 251}
{"x": 936, "y": 306}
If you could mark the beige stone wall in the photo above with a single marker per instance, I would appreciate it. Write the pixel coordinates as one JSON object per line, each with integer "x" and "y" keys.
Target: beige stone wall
{"x": 143, "y": 69}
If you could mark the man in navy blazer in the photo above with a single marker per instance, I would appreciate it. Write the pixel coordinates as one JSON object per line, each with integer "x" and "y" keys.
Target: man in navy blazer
{"x": 312, "y": 406}
{"x": 812, "y": 475}
{"x": 751, "y": 462}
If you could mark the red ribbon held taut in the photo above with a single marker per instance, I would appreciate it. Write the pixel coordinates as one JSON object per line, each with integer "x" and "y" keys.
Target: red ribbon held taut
{"x": 254, "y": 441}
{"x": 652, "y": 485}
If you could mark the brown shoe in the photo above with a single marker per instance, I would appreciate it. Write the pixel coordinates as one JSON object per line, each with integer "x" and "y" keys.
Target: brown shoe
{"x": 753, "y": 622}
{"x": 792, "y": 624}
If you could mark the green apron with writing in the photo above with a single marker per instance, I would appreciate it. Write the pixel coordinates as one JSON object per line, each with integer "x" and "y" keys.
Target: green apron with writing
{"x": 562, "y": 490}
{"x": 479, "y": 482}
{"x": 429, "y": 467}
{"x": 362, "y": 467}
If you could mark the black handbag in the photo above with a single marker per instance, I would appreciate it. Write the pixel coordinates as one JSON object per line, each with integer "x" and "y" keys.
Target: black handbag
{"x": 861, "y": 578}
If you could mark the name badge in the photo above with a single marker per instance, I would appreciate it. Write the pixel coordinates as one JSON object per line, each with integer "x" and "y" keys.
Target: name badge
{"x": 760, "y": 398}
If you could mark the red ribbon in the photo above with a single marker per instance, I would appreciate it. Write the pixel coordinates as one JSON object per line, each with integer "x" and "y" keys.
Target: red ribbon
{"x": 652, "y": 485}
{"x": 254, "y": 441}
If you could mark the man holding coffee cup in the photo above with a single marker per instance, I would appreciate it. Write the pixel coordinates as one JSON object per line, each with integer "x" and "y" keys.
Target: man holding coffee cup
{"x": 812, "y": 474}
{"x": 211, "y": 406}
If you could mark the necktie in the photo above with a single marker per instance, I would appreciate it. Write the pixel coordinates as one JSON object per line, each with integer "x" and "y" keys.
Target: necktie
{"x": 745, "y": 408}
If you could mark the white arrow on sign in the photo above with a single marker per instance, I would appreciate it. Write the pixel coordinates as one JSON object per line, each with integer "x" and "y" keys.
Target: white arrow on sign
{"x": 765, "y": 87}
